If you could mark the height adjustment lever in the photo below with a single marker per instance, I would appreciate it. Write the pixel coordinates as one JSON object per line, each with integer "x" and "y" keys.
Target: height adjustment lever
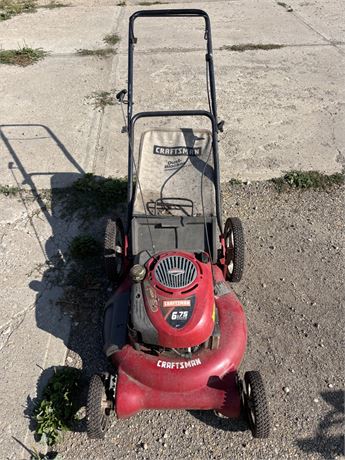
{"x": 121, "y": 96}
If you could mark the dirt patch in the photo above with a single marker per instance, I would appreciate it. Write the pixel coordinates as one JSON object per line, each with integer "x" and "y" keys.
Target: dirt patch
{"x": 101, "y": 52}
{"x": 251, "y": 47}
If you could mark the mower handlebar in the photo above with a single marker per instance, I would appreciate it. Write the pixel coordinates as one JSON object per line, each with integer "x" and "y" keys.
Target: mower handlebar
{"x": 167, "y": 13}
{"x": 171, "y": 12}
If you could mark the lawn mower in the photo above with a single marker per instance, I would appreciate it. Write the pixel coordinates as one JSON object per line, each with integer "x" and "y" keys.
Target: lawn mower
{"x": 174, "y": 331}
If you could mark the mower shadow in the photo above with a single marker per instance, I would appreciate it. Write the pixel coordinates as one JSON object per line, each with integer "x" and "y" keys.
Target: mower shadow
{"x": 328, "y": 445}
{"x": 79, "y": 327}
{"x": 209, "y": 417}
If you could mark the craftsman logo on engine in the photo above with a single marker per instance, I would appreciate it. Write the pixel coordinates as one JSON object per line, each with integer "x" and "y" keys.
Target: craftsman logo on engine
{"x": 177, "y": 303}
{"x": 178, "y": 150}
{"x": 179, "y": 364}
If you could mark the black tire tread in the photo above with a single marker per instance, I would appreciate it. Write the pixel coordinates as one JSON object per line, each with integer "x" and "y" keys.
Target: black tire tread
{"x": 93, "y": 408}
{"x": 262, "y": 425}
{"x": 112, "y": 227}
{"x": 238, "y": 261}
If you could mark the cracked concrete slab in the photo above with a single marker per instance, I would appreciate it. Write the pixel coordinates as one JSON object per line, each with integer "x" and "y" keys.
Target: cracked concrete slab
{"x": 283, "y": 109}
{"x": 48, "y": 125}
{"x": 232, "y": 23}
{"x": 62, "y": 30}
{"x": 324, "y": 16}
{"x": 22, "y": 366}
{"x": 34, "y": 330}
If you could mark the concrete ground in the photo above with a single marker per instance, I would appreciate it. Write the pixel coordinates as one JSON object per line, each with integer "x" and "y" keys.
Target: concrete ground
{"x": 284, "y": 109}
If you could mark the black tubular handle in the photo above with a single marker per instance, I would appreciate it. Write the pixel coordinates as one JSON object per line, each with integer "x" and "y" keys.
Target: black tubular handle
{"x": 212, "y": 115}
{"x": 173, "y": 13}
{"x": 176, "y": 113}
{"x": 187, "y": 12}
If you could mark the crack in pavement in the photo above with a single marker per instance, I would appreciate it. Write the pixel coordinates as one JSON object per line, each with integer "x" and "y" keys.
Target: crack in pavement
{"x": 7, "y": 329}
{"x": 330, "y": 43}
{"x": 100, "y": 157}
{"x": 340, "y": 158}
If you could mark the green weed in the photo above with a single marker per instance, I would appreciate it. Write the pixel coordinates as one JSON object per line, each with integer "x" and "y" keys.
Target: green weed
{"x": 23, "y": 56}
{"x": 10, "y": 8}
{"x": 57, "y": 409}
{"x": 7, "y": 190}
{"x": 235, "y": 182}
{"x": 100, "y": 99}
{"x": 307, "y": 180}
{"x": 111, "y": 39}
{"x": 101, "y": 52}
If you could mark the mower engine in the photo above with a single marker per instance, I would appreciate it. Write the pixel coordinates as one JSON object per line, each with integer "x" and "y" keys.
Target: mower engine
{"x": 172, "y": 302}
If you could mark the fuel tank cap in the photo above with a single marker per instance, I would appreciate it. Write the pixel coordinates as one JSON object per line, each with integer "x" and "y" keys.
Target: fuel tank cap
{"x": 137, "y": 273}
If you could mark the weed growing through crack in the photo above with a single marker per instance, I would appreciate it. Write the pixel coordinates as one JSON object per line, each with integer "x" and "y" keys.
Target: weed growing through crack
{"x": 251, "y": 47}
{"x": 111, "y": 39}
{"x": 307, "y": 180}
{"x": 57, "y": 409}
{"x": 121, "y": 4}
{"x": 100, "y": 99}
{"x": 235, "y": 182}
{"x": 10, "y": 8}
{"x": 22, "y": 57}
{"x": 151, "y": 3}
{"x": 7, "y": 190}
{"x": 101, "y": 52}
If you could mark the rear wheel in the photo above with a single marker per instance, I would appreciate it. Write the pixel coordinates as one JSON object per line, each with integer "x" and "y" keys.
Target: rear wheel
{"x": 234, "y": 249}
{"x": 114, "y": 249}
{"x": 100, "y": 403}
{"x": 255, "y": 404}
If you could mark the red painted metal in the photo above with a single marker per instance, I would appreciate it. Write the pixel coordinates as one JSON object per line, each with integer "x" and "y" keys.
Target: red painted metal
{"x": 221, "y": 395}
{"x": 200, "y": 293}
{"x": 209, "y": 382}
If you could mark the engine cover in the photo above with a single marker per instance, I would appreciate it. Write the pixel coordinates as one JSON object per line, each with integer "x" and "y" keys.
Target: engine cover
{"x": 179, "y": 299}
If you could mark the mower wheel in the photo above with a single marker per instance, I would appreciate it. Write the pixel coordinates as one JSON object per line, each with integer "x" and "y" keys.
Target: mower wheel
{"x": 234, "y": 249}
{"x": 255, "y": 404}
{"x": 114, "y": 249}
{"x": 98, "y": 407}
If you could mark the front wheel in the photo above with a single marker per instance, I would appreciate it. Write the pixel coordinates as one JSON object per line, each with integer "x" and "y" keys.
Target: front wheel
{"x": 255, "y": 404}
{"x": 100, "y": 403}
{"x": 234, "y": 249}
{"x": 114, "y": 250}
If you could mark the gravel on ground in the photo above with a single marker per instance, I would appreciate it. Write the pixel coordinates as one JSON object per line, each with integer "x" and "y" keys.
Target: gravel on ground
{"x": 293, "y": 294}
